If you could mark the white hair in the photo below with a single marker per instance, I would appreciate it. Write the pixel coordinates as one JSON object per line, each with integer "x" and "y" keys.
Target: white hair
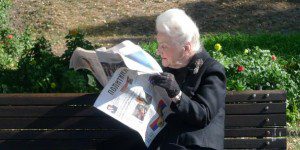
{"x": 180, "y": 27}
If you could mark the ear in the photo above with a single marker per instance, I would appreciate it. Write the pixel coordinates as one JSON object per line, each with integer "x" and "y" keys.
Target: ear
{"x": 188, "y": 47}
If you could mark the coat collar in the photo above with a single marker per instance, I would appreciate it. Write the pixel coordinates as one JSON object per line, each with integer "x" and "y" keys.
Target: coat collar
{"x": 191, "y": 69}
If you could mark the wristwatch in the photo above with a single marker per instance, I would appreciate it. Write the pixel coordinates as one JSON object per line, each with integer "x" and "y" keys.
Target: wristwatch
{"x": 176, "y": 99}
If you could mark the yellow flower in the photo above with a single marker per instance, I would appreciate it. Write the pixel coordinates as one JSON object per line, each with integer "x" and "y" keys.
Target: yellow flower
{"x": 53, "y": 85}
{"x": 218, "y": 47}
{"x": 246, "y": 51}
{"x": 12, "y": 65}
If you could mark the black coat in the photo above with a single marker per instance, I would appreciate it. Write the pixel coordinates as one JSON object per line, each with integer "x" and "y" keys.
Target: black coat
{"x": 198, "y": 120}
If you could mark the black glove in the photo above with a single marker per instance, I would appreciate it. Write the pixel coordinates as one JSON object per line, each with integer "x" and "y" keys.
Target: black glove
{"x": 166, "y": 81}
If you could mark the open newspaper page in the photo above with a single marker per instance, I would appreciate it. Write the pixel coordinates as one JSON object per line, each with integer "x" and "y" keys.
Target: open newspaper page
{"x": 132, "y": 100}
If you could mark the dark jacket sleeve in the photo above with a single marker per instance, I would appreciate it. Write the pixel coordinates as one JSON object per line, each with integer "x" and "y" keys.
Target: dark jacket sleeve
{"x": 207, "y": 100}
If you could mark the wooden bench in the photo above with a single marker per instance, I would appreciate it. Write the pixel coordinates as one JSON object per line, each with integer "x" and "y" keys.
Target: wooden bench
{"x": 254, "y": 120}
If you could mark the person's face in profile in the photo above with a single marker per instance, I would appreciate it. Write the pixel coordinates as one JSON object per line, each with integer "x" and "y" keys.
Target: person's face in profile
{"x": 169, "y": 51}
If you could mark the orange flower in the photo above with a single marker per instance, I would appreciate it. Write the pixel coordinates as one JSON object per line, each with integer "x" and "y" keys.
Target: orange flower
{"x": 73, "y": 32}
{"x": 10, "y": 36}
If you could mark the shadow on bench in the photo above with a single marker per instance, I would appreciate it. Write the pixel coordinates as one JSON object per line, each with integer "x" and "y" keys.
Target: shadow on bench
{"x": 254, "y": 120}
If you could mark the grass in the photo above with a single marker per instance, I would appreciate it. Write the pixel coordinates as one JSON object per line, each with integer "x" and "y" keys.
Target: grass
{"x": 293, "y": 140}
{"x": 285, "y": 45}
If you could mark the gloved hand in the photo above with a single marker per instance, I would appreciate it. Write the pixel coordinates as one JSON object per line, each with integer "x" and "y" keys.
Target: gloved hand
{"x": 166, "y": 81}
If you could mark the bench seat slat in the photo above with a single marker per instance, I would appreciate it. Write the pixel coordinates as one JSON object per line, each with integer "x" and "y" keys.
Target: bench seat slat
{"x": 255, "y": 132}
{"x": 279, "y": 143}
{"x": 257, "y": 108}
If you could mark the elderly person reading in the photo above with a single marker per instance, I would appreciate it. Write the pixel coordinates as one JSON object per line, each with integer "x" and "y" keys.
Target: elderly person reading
{"x": 196, "y": 84}
{"x": 194, "y": 81}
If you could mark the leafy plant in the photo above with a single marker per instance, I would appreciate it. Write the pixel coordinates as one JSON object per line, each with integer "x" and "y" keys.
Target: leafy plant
{"x": 75, "y": 39}
{"x": 258, "y": 69}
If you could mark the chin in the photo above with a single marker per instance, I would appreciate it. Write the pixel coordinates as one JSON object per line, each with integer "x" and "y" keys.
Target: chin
{"x": 165, "y": 63}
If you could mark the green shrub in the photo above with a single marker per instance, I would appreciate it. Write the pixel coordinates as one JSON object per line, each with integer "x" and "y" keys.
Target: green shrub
{"x": 38, "y": 67}
{"x": 12, "y": 44}
{"x": 259, "y": 70}
{"x": 40, "y": 71}
{"x": 82, "y": 80}
{"x": 75, "y": 39}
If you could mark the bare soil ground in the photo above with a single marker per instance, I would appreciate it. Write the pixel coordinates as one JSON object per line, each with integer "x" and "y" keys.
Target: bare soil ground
{"x": 107, "y": 22}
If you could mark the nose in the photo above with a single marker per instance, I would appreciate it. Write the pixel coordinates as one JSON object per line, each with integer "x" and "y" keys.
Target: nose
{"x": 157, "y": 52}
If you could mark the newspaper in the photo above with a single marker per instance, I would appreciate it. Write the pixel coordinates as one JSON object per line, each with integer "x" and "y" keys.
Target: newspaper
{"x": 127, "y": 96}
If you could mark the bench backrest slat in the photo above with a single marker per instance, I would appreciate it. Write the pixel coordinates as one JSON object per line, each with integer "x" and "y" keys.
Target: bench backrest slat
{"x": 256, "y": 96}
{"x": 60, "y": 123}
{"x": 255, "y": 108}
{"x": 77, "y": 144}
{"x": 91, "y": 122}
{"x": 47, "y": 99}
{"x": 255, "y": 120}
{"x": 100, "y": 133}
{"x": 255, "y": 132}
{"x": 37, "y": 111}
{"x": 255, "y": 143}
